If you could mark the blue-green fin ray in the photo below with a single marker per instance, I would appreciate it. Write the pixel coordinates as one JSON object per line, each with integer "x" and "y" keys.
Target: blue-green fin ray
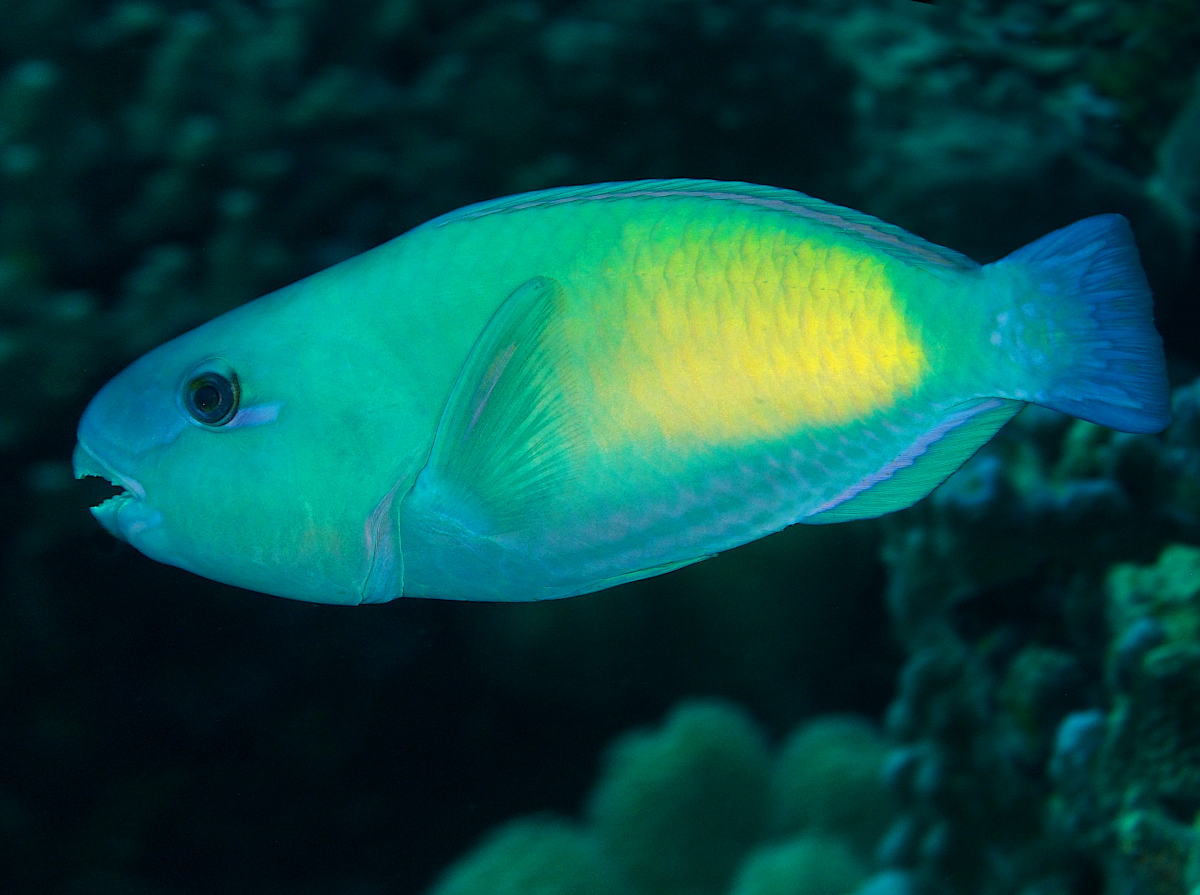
{"x": 1113, "y": 370}
{"x": 924, "y": 465}
{"x": 501, "y": 457}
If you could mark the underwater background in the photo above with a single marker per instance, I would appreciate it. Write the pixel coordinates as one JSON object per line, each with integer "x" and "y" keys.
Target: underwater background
{"x": 996, "y": 691}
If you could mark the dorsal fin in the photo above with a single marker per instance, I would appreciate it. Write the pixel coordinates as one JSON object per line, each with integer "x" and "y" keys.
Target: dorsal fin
{"x": 885, "y": 237}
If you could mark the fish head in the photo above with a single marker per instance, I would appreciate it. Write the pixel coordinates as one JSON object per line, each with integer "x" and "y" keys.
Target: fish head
{"x": 237, "y": 460}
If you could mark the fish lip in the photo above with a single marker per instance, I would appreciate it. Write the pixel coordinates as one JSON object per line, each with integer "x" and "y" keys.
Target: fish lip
{"x": 87, "y": 463}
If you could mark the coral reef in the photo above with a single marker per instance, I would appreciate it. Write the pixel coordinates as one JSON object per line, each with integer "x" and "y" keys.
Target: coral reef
{"x": 1129, "y": 779}
{"x": 1046, "y": 712}
{"x": 536, "y": 856}
{"x": 677, "y": 808}
{"x": 808, "y": 865}
{"x": 1176, "y": 183}
{"x": 162, "y": 160}
{"x": 828, "y": 782}
{"x": 967, "y": 113}
{"x": 687, "y": 808}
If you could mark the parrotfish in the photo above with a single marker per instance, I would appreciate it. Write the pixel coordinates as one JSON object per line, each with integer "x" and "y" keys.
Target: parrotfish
{"x": 553, "y": 393}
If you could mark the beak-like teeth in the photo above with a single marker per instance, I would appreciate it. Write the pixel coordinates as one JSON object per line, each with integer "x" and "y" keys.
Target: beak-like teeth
{"x": 88, "y": 464}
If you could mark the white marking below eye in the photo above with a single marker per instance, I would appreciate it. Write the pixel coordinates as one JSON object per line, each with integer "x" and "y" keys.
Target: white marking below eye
{"x": 257, "y": 415}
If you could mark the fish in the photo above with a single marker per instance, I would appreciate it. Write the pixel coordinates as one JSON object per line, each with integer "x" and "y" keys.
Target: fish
{"x": 553, "y": 393}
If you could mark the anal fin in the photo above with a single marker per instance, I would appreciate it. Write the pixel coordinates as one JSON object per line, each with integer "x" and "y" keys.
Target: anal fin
{"x": 922, "y": 466}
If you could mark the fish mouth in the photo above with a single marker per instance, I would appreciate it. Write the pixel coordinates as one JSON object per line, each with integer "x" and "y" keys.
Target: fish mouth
{"x": 107, "y": 512}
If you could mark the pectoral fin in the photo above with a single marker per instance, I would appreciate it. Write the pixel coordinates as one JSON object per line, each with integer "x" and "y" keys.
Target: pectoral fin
{"x": 501, "y": 457}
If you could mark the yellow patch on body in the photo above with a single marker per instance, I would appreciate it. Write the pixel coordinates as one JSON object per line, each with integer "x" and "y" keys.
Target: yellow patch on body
{"x": 740, "y": 333}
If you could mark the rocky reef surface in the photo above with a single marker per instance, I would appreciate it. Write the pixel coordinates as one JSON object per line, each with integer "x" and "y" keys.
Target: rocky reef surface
{"x": 1024, "y": 642}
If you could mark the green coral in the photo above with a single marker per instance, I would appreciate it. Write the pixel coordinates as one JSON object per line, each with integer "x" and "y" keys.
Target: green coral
{"x": 807, "y": 865}
{"x": 685, "y": 809}
{"x": 533, "y": 856}
{"x": 1128, "y": 780}
{"x": 1168, "y": 591}
{"x": 1154, "y": 731}
{"x": 828, "y": 781}
{"x": 677, "y": 808}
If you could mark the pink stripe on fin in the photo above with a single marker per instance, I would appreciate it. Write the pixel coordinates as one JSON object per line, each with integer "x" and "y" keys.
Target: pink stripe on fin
{"x": 914, "y": 451}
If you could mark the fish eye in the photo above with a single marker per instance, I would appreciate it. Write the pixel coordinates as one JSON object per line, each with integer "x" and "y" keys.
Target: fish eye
{"x": 211, "y": 397}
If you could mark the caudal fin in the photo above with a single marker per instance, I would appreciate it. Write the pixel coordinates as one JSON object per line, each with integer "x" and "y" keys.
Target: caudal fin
{"x": 1113, "y": 371}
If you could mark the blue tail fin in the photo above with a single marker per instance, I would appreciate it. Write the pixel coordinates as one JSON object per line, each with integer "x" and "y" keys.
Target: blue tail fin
{"x": 1115, "y": 373}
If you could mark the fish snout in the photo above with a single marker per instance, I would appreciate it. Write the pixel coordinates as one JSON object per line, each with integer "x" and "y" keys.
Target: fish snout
{"x": 123, "y": 514}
